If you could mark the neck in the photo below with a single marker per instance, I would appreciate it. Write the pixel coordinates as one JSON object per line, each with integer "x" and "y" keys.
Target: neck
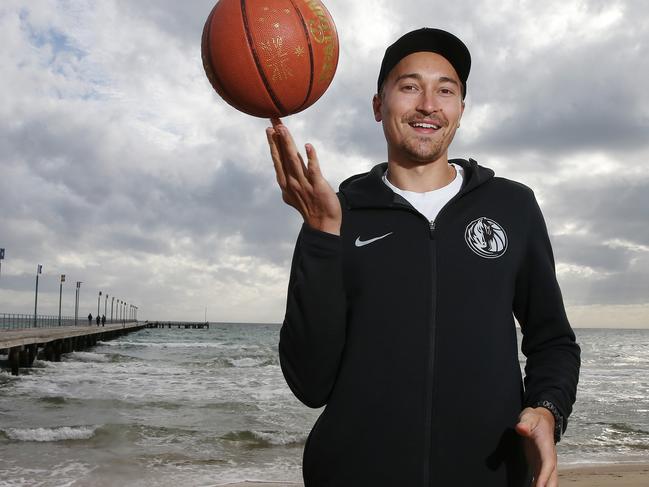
{"x": 421, "y": 178}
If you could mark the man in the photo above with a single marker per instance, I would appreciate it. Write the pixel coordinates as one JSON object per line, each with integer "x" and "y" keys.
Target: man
{"x": 402, "y": 297}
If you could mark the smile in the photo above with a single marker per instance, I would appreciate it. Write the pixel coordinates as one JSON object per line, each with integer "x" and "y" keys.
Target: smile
{"x": 425, "y": 126}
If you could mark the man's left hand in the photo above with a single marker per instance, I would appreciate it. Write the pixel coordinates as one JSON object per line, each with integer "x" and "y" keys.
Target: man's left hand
{"x": 536, "y": 425}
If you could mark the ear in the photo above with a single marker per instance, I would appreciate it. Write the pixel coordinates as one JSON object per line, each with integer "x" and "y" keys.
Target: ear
{"x": 461, "y": 113}
{"x": 376, "y": 106}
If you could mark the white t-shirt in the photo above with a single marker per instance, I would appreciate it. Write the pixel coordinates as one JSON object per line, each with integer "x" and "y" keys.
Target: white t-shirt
{"x": 430, "y": 202}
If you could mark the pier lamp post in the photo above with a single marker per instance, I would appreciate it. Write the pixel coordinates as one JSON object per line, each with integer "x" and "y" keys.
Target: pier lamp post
{"x": 38, "y": 272}
{"x": 76, "y": 302}
{"x": 105, "y": 304}
{"x": 61, "y": 295}
{"x": 2, "y": 257}
{"x": 112, "y": 302}
{"x": 124, "y": 312}
{"x": 98, "y": 299}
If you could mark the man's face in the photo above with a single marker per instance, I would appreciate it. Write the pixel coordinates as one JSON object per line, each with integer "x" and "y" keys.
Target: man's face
{"x": 420, "y": 107}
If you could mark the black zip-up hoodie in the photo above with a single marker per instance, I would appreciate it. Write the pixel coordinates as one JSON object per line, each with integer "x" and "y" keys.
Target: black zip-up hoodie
{"x": 405, "y": 329}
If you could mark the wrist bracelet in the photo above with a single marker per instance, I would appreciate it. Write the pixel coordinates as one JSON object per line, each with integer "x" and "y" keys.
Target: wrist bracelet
{"x": 558, "y": 418}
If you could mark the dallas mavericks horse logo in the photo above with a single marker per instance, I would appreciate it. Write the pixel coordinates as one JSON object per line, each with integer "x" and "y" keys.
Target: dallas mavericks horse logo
{"x": 486, "y": 238}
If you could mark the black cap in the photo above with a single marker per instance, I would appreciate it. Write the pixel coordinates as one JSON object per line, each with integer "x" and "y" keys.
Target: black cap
{"x": 428, "y": 40}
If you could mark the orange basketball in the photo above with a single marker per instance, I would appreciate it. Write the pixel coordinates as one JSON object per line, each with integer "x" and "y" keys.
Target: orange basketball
{"x": 270, "y": 58}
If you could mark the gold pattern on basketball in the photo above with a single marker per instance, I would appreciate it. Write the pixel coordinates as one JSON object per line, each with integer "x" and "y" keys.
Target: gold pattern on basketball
{"x": 277, "y": 58}
{"x": 324, "y": 34}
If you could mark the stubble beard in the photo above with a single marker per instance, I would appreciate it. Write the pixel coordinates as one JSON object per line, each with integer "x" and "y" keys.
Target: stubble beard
{"x": 424, "y": 150}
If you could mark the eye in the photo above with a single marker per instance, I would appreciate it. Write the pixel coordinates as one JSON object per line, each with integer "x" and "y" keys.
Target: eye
{"x": 447, "y": 91}
{"x": 409, "y": 88}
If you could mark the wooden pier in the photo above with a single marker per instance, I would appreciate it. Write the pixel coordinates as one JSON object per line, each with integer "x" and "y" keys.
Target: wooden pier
{"x": 178, "y": 324}
{"x": 22, "y": 346}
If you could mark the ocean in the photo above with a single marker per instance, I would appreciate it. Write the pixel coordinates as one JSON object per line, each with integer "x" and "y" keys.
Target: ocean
{"x": 174, "y": 407}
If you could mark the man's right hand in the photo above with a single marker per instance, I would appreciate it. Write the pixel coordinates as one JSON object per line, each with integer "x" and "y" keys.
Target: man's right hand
{"x": 303, "y": 186}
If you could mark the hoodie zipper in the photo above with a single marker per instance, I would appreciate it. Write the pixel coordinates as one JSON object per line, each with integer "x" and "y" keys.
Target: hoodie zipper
{"x": 432, "y": 341}
{"x": 432, "y": 336}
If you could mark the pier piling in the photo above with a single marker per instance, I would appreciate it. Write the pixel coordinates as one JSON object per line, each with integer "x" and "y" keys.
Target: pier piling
{"x": 22, "y": 345}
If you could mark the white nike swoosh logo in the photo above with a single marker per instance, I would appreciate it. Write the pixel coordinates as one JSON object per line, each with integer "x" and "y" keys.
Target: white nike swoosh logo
{"x": 361, "y": 243}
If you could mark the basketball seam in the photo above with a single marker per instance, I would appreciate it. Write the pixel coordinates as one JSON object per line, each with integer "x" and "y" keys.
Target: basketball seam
{"x": 312, "y": 63}
{"x": 255, "y": 56}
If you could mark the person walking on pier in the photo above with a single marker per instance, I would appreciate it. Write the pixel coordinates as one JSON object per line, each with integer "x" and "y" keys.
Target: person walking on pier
{"x": 103, "y": 320}
{"x": 89, "y": 319}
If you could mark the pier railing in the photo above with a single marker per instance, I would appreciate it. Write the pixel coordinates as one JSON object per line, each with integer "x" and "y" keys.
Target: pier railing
{"x": 177, "y": 324}
{"x": 13, "y": 321}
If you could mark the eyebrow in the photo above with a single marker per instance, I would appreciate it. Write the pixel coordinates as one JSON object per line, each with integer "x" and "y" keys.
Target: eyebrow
{"x": 419, "y": 77}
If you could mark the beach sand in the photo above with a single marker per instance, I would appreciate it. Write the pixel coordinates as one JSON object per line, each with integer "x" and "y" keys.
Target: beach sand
{"x": 629, "y": 475}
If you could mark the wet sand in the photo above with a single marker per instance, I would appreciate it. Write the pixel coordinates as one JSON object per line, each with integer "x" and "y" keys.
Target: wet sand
{"x": 629, "y": 475}
{"x": 625, "y": 475}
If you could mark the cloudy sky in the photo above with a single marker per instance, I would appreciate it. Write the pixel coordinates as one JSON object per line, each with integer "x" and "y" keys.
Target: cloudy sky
{"x": 121, "y": 167}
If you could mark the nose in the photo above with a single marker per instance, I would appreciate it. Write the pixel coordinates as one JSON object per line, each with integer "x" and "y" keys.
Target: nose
{"x": 428, "y": 102}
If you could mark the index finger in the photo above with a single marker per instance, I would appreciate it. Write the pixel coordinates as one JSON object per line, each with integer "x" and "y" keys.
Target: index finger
{"x": 275, "y": 121}
{"x": 276, "y": 157}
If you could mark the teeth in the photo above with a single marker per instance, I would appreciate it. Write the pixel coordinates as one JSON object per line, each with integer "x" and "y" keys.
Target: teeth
{"x": 425, "y": 125}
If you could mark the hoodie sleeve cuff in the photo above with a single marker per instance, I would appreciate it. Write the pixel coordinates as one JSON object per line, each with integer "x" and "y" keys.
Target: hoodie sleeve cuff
{"x": 319, "y": 243}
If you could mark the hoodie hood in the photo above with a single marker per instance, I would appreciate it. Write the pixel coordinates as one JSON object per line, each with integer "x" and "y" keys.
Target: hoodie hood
{"x": 367, "y": 190}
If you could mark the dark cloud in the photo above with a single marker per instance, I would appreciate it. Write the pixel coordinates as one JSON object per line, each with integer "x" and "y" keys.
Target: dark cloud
{"x": 607, "y": 208}
{"x": 580, "y": 98}
{"x": 615, "y": 288}
{"x": 591, "y": 252}
{"x": 609, "y": 242}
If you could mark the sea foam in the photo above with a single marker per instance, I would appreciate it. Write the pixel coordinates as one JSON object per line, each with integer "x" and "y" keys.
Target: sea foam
{"x": 51, "y": 434}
